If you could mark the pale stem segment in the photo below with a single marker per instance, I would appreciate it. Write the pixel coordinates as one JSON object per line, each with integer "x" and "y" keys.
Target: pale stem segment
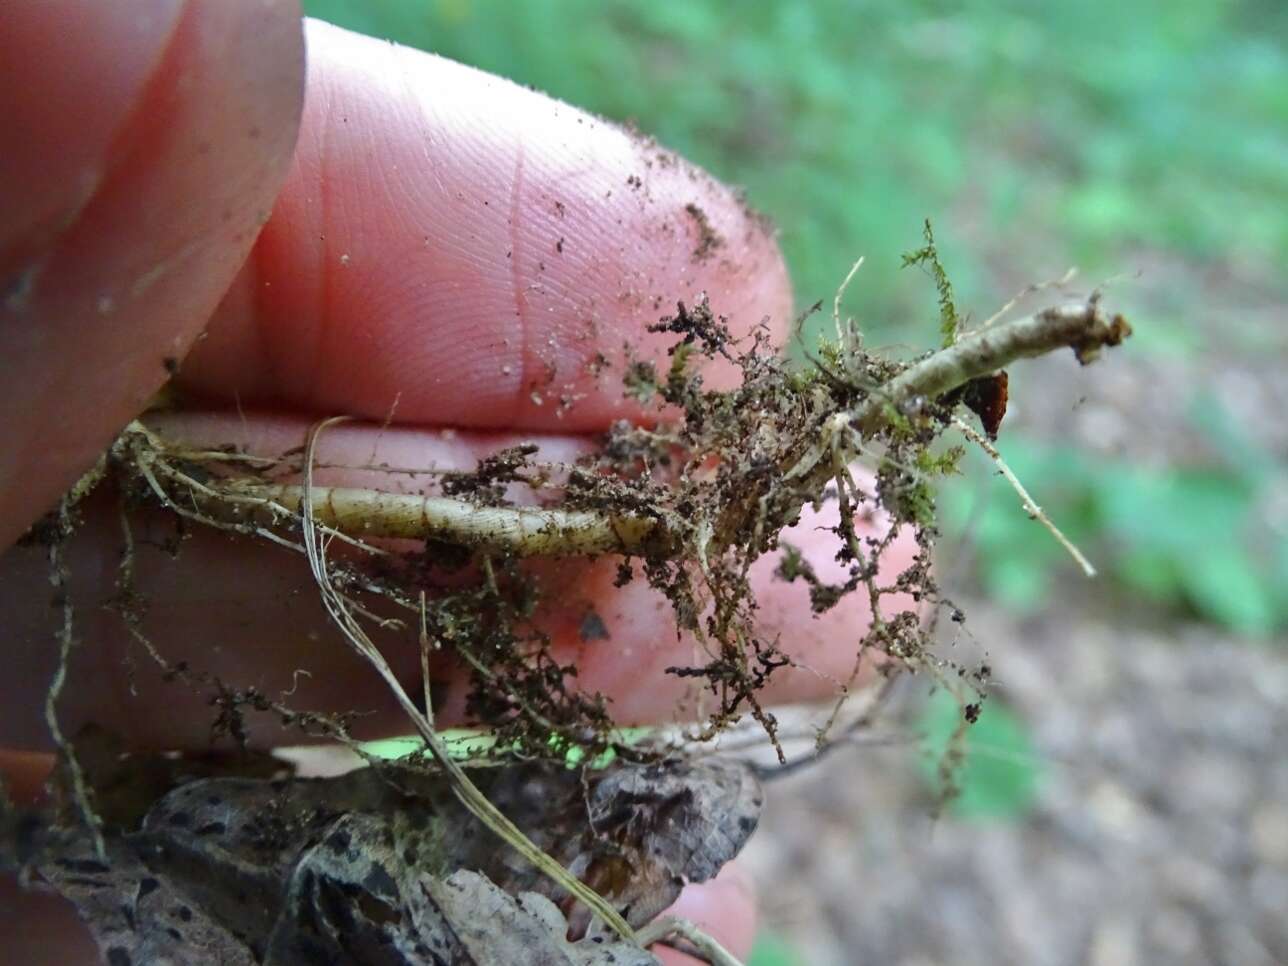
{"x": 1080, "y": 326}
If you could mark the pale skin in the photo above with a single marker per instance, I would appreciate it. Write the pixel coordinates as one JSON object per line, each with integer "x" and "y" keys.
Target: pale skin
{"x": 445, "y": 250}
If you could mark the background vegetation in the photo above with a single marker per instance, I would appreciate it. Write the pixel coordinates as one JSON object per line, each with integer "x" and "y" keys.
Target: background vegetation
{"x": 1148, "y": 136}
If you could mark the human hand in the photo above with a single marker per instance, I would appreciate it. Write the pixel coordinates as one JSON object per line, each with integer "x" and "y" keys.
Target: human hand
{"x": 444, "y": 246}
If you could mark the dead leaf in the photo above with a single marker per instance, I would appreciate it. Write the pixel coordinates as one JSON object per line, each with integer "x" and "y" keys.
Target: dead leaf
{"x": 385, "y": 866}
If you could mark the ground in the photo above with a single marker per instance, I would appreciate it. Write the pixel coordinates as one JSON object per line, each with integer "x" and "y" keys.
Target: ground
{"x": 1160, "y": 835}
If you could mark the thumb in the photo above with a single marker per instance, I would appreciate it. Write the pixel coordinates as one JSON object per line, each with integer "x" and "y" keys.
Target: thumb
{"x": 146, "y": 141}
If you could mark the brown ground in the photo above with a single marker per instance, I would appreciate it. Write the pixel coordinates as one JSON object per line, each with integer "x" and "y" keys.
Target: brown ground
{"x": 1161, "y": 835}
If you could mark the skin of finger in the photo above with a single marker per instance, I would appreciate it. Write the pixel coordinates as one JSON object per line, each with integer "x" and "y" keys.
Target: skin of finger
{"x": 59, "y": 139}
{"x": 455, "y": 249}
{"x": 724, "y": 908}
{"x": 250, "y": 614}
{"x": 37, "y": 927}
{"x": 42, "y": 929}
{"x": 187, "y": 180}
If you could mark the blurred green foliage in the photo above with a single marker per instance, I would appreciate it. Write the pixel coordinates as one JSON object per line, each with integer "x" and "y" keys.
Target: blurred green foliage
{"x": 1100, "y": 127}
{"x": 1102, "y": 134}
{"x": 772, "y": 950}
{"x": 987, "y": 770}
{"x": 1184, "y": 538}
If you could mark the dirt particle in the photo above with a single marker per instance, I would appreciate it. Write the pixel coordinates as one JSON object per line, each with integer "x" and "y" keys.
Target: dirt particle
{"x": 708, "y": 238}
{"x": 625, "y": 573}
{"x": 16, "y": 292}
{"x": 592, "y": 627}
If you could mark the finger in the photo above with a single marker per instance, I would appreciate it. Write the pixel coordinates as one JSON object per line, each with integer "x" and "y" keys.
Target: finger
{"x": 42, "y": 929}
{"x": 145, "y": 142}
{"x": 251, "y": 615}
{"x": 37, "y": 927}
{"x": 59, "y": 139}
{"x": 458, "y": 250}
{"x": 724, "y": 908}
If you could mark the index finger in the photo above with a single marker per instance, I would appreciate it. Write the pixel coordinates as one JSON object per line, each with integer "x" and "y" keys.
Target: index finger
{"x": 474, "y": 250}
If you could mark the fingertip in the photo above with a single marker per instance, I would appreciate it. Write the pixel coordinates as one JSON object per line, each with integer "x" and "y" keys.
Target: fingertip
{"x": 52, "y": 56}
{"x": 95, "y": 310}
{"x": 724, "y": 908}
{"x": 473, "y": 249}
{"x": 42, "y": 928}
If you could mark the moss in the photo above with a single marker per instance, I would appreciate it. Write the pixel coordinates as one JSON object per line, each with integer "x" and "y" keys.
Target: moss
{"x": 945, "y": 463}
{"x": 928, "y": 255}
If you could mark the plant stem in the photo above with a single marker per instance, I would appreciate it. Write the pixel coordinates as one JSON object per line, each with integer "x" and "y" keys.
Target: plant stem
{"x": 1081, "y": 326}
{"x": 667, "y": 930}
{"x": 530, "y": 531}
{"x": 1034, "y": 511}
{"x": 525, "y": 531}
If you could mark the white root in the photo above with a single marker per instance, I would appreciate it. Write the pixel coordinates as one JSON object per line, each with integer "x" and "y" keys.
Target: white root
{"x": 666, "y": 931}
{"x": 843, "y": 338}
{"x": 523, "y": 531}
{"x": 1027, "y": 501}
{"x": 358, "y": 515}
{"x": 466, "y": 791}
{"x": 190, "y": 484}
{"x": 1028, "y": 290}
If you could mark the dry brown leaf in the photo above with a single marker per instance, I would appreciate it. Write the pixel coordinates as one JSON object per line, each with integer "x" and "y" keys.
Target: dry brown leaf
{"x": 384, "y": 865}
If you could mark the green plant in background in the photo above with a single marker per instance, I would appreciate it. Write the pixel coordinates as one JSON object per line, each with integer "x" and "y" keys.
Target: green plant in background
{"x": 468, "y": 744}
{"x": 772, "y": 950}
{"x": 987, "y": 770}
{"x": 1037, "y": 136}
{"x": 1183, "y": 538}
{"x": 1046, "y": 134}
